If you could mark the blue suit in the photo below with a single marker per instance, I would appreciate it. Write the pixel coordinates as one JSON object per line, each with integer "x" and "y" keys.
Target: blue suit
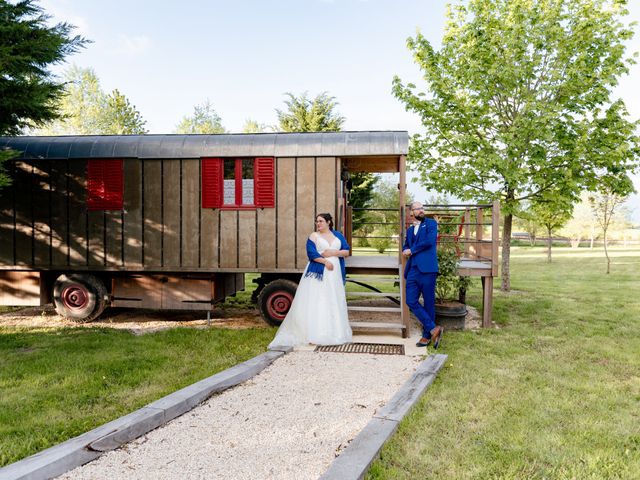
{"x": 421, "y": 271}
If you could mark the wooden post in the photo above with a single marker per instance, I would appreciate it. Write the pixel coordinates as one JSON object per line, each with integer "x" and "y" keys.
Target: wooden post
{"x": 487, "y": 301}
{"x": 404, "y": 314}
{"x": 480, "y": 250}
{"x": 487, "y": 282}
{"x": 495, "y": 237}
{"x": 469, "y": 248}
{"x": 348, "y": 228}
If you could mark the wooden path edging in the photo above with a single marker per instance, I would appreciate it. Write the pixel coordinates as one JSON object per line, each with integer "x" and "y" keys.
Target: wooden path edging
{"x": 84, "y": 448}
{"x": 354, "y": 462}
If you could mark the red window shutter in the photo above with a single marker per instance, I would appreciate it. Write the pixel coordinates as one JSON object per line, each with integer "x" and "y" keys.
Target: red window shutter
{"x": 105, "y": 184}
{"x": 264, "y": 188}
{"x": 212, "y": 174}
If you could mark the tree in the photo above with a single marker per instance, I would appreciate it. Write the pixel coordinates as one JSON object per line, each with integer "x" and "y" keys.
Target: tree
{"x": 518, "y": 102}
{"x": 28, "y": 90}
{"x": 552, "y": 214}
{"x": 307, "y": 115}
{"x": 605, "y": 204}
{"x": 4, "y": 176}
{"x": 121, "y": 117}
{"x": 28, "y": 46}
{"x": 361, "y": 196}
{"x": 87, "y": 110}
{"x": 380, "y": 223}
{"x": 525, "y": 220}
{"x": 204, "y": 120}
{"x": 252, "y": 126}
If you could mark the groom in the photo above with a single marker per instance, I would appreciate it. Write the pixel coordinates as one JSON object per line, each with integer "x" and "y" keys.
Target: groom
{"x": 420, "y": 273}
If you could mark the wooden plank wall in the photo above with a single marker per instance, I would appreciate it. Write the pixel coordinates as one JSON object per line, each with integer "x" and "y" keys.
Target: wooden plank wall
{"x": 152, "y": 228}
{"x": 59, "y": 212}
{"x": 305, "y": 210}
{"x": 162, "y": 226}
{"x": 286, "y": 213}
{"x": 41, "y": 212}
{"x": 132, "y": 229}
{"x": 23, "y": 188}
{"x": 77, "y": 221}
{"x": 7, "y": 230}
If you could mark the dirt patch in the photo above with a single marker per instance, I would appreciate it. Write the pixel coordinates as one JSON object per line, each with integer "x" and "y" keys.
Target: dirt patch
{"x": 135, "y": 320}
{"x": 140, "y": 321}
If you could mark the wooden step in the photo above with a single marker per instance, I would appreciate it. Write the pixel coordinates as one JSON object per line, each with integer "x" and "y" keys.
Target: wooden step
{"x": 378, "y": 326}
{"x": 375, "y": 309}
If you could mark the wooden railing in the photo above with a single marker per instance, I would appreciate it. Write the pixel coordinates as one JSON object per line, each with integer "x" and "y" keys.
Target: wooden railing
{"x": 474, "y": 229}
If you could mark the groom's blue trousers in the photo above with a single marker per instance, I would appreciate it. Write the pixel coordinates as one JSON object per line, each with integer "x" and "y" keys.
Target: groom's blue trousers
{"x": 424, "y": 284}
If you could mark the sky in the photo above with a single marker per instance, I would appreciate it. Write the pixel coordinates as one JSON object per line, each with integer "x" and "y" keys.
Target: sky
{"x": 244, "y": 55}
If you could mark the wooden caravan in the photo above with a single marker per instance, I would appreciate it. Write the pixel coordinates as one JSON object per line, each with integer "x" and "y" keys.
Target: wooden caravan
{"x": 173, "y": 221}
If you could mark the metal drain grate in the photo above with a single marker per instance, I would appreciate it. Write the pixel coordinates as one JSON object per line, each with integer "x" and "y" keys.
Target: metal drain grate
{"x": 375, "y": 348}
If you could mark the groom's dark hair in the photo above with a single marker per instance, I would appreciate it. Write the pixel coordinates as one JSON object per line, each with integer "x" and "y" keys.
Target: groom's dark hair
{"x": 328, "y": 218}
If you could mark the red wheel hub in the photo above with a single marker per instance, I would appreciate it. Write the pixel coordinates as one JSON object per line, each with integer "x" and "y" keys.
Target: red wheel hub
{"x": 278, "y": 304}
{"x": 75, "y": 297}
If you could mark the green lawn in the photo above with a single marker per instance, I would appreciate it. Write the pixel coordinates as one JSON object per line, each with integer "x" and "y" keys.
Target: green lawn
{"x": 553, "y": 393}
{"x": 58, "y": 383}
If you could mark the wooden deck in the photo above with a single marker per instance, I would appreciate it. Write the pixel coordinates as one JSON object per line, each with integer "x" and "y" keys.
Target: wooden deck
{"x": 390, "y": 265}
{"x": 472, "y": 229}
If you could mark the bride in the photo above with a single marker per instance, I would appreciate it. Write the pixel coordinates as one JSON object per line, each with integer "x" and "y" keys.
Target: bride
{"x": 318, "y": 313}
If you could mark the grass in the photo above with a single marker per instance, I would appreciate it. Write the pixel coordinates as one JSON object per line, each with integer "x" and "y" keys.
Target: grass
{"x": 58, "y": 383}
{"x": 554, "y": 392}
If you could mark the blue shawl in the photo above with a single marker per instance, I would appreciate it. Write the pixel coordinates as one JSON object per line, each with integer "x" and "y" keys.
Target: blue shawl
{"x": 315, "y": 269}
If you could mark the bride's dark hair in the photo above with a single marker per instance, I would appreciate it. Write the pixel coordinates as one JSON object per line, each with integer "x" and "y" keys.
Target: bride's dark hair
{"x": 327, "y": 217}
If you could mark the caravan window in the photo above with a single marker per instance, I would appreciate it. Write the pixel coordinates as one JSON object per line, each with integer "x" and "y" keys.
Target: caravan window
{"x": 238, "y": 183}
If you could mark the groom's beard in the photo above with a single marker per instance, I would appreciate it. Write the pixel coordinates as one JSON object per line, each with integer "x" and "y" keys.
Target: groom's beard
{"x": 420, "y": 218}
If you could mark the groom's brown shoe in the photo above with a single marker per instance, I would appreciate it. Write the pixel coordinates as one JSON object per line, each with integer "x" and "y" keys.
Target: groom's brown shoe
{"x": 436, "y": 336}
{"x": 423, "y": 342}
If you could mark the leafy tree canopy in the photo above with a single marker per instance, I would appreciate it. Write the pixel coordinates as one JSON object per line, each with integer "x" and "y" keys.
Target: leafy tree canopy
{"x": 120, "y": 117}
{"x": 4, "y": 176}
{"x": 204, "y": 120}
{"x": 28, "y": 46}
{"x": 518, "y": 102}
{"x": 310, "y": 115}
{"x": 87, "y": 110}
{"x": 253, "y": 126}
{"x": 553, "y": 211}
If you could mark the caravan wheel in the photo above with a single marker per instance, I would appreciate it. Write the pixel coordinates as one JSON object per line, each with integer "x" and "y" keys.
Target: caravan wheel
{"x": 79, "y": 297}
{"x": 275, "y": 300}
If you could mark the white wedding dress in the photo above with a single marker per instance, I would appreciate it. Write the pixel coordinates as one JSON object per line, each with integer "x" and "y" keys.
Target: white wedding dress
{"x": 318, "y": 313}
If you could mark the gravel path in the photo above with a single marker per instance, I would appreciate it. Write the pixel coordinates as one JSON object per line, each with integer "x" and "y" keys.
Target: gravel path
{"x": 289, "y": 422}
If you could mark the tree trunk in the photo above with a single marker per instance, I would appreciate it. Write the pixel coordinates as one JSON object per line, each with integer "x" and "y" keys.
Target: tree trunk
{"x": 506, "y": 253}
{"x": 575, "y": 243}
{"x": 606, "y": 253}
{"x": 549, "y": 242}
{"x": 593, "y": 234}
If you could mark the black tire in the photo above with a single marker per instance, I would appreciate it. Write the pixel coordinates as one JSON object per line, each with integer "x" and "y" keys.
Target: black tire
{"x": 79, "y": 297}
{"x": 275, "y": 300}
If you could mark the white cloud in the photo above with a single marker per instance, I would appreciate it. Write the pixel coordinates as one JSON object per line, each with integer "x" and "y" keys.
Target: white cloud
{"x": 132, "y": 45}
